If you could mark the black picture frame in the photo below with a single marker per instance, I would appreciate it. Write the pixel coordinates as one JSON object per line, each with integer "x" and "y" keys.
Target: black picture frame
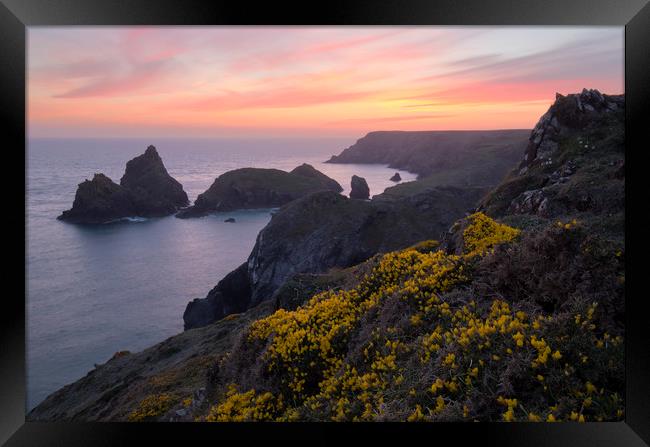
{"x": 16, "y": 15}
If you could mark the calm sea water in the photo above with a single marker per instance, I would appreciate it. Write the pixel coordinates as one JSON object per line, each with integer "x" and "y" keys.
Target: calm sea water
{"x": 95, "y": 290}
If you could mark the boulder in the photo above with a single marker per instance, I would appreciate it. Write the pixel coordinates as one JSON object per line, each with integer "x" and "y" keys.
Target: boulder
{"x": 230, "y": 220}
{"x": 359, "y": 189}
{"x": 396, "y": 177}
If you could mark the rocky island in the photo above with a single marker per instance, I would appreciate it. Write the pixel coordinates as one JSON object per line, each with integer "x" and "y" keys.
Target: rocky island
{"x": 145, "y": 190}
{"x": 249, "y": 188}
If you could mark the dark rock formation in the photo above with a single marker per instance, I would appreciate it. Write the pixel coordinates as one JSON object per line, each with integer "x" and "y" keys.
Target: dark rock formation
{"x": 307, "y": 170}
{"x": 572, "y": 162}
{"x": 396, "y": 178}
{"x": 231, "y": 295}
{"x": 566, "y": 115}
{"x": 491, "y": 153}
{"x": 257, "y": 188}
{"x": 145, "y": 190}
{"x": 154, "y": 191}
{"x": 230, "y": 220}
{"x": 359, "y": 189}
{"x": 325, "y": 230}
{"x": 99, "y": 200}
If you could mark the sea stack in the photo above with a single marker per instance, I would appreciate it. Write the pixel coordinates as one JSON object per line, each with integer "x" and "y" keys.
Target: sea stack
{"x": 360, "y": 188}
{"x": 396, "y": 178}
{"x": 145, "y": 190}
{"x": 154, "y": 191}
{"x": 99, "y": 200}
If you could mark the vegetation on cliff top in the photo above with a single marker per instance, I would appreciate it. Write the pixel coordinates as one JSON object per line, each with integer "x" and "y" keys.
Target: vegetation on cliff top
{"x": 414, "y": 341}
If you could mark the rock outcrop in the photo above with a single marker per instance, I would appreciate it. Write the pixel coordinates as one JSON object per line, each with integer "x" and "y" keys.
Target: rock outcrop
{"x": 567, "y": 114}
{"x": 326, "y": 230}
{"x": 359, "y": 188}
{"x": 145, "y": 190}
{"x": 396, "y": 177}
{"x": 250, "y": 188}
{"x": 573, "y": 161}
{"x": 231, "y": 295}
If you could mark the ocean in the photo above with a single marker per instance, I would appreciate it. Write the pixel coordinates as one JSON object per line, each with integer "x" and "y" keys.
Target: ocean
{"x": 96, "y": 290}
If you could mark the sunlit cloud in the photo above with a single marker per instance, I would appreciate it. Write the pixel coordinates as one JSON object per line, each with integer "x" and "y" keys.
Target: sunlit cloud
{"x": 339, "y": 81}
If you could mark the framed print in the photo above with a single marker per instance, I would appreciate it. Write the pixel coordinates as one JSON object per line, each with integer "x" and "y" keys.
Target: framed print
{"x": 387, "y": 220}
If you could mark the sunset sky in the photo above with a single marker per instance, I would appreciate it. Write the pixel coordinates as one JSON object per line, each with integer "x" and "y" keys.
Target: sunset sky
{"x": 307, "y": 81}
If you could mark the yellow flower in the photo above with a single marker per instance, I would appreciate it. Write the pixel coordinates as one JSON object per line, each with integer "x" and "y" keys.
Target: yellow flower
{"x": 519, "y": 339}
{"x": 556, "y": 355}
{"x": 532, "y": 417}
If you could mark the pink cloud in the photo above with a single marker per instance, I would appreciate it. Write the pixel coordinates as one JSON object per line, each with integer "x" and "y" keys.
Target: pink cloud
{"x": 140, "y": 79}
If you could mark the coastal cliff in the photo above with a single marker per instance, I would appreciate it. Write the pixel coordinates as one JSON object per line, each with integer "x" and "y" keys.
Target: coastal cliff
{"x": 430, "y": 152}
{"x": 326, "y": 230}
{"x": 515, "y": 314}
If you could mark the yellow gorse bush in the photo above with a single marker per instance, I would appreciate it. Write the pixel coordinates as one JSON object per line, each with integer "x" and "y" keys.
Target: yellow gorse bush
{"x": 151, "y": 407}
{"x": 484, "y": 233}
{"x": 462, "y": 348}
{"x": 248, "y": 406}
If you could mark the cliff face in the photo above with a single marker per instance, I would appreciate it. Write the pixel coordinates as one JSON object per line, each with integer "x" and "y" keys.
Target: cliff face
{"x": 145, "y": 190}
{"x": 258, "y": 188}
{"x": 431, "y": 152}
{"x": 326, "y": 230}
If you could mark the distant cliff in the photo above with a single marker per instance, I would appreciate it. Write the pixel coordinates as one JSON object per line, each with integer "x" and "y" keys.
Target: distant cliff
{"x": 145, "y": 190}
{"x": 430, "y": 152}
